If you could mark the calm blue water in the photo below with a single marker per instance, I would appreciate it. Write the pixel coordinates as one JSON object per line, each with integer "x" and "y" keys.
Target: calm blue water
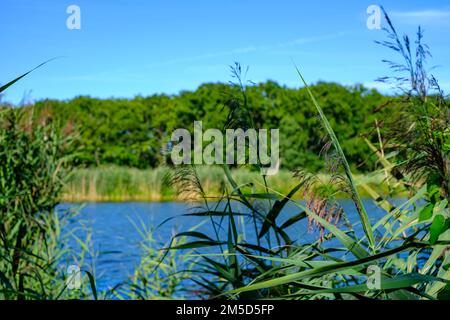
{"x": 116, "y": 238}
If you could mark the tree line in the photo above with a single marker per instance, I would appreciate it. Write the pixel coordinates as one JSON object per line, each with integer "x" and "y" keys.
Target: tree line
{"x": 132, "y": 132}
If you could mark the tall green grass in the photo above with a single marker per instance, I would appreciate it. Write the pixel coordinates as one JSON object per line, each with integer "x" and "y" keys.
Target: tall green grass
{"x": 33, "y": 250}
{"x": 114, "y": 183}
{"x": 408, "y": 246}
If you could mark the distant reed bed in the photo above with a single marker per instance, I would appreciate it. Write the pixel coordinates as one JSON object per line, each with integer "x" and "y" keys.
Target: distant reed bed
{"x": 115, "y": 183}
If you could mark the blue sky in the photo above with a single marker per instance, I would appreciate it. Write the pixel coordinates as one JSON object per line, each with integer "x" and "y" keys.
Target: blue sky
{"x": 130, "y": 47}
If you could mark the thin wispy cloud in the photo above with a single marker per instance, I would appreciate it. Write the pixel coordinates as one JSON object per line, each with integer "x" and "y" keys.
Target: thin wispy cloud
{"x": 424, "y": 14}
{"x": 118, "y": 74}
{"x": 428, "y": 16}
{"x": 251, "y": 49}
{"x": 306, "y": 40}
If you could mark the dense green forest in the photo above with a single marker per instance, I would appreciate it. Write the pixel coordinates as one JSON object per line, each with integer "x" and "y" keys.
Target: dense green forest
{"x": 132, "y": 132}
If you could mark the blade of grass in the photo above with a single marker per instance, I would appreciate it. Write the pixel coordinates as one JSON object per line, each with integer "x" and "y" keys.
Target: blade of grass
{"x": 357, "y": 199}
{"x": 6, "y": 86}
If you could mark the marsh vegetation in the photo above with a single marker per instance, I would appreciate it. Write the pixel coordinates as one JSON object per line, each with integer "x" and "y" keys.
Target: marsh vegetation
{"x": 406, "y": 153}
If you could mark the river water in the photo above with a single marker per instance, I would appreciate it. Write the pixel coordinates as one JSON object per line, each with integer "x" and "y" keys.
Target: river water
{"x": 117, "y": 230}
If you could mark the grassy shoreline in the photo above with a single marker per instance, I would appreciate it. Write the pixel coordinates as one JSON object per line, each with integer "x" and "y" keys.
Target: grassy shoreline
{"x": 121, "y": 184}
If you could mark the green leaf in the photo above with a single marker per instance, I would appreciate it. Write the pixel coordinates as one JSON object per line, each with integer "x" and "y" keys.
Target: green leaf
{"x": 276, "y": 209}
{"x": 193, "y": 234}
{"x": 426, "y": 213}
{"x": 6, "y": 86}
{"x": 445, "y": 293}
{"x": 92, "y": 283}
{"x": 436, "y": 228}
{"x": 293, "y": 219}
{"x": 196, "y": 244}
